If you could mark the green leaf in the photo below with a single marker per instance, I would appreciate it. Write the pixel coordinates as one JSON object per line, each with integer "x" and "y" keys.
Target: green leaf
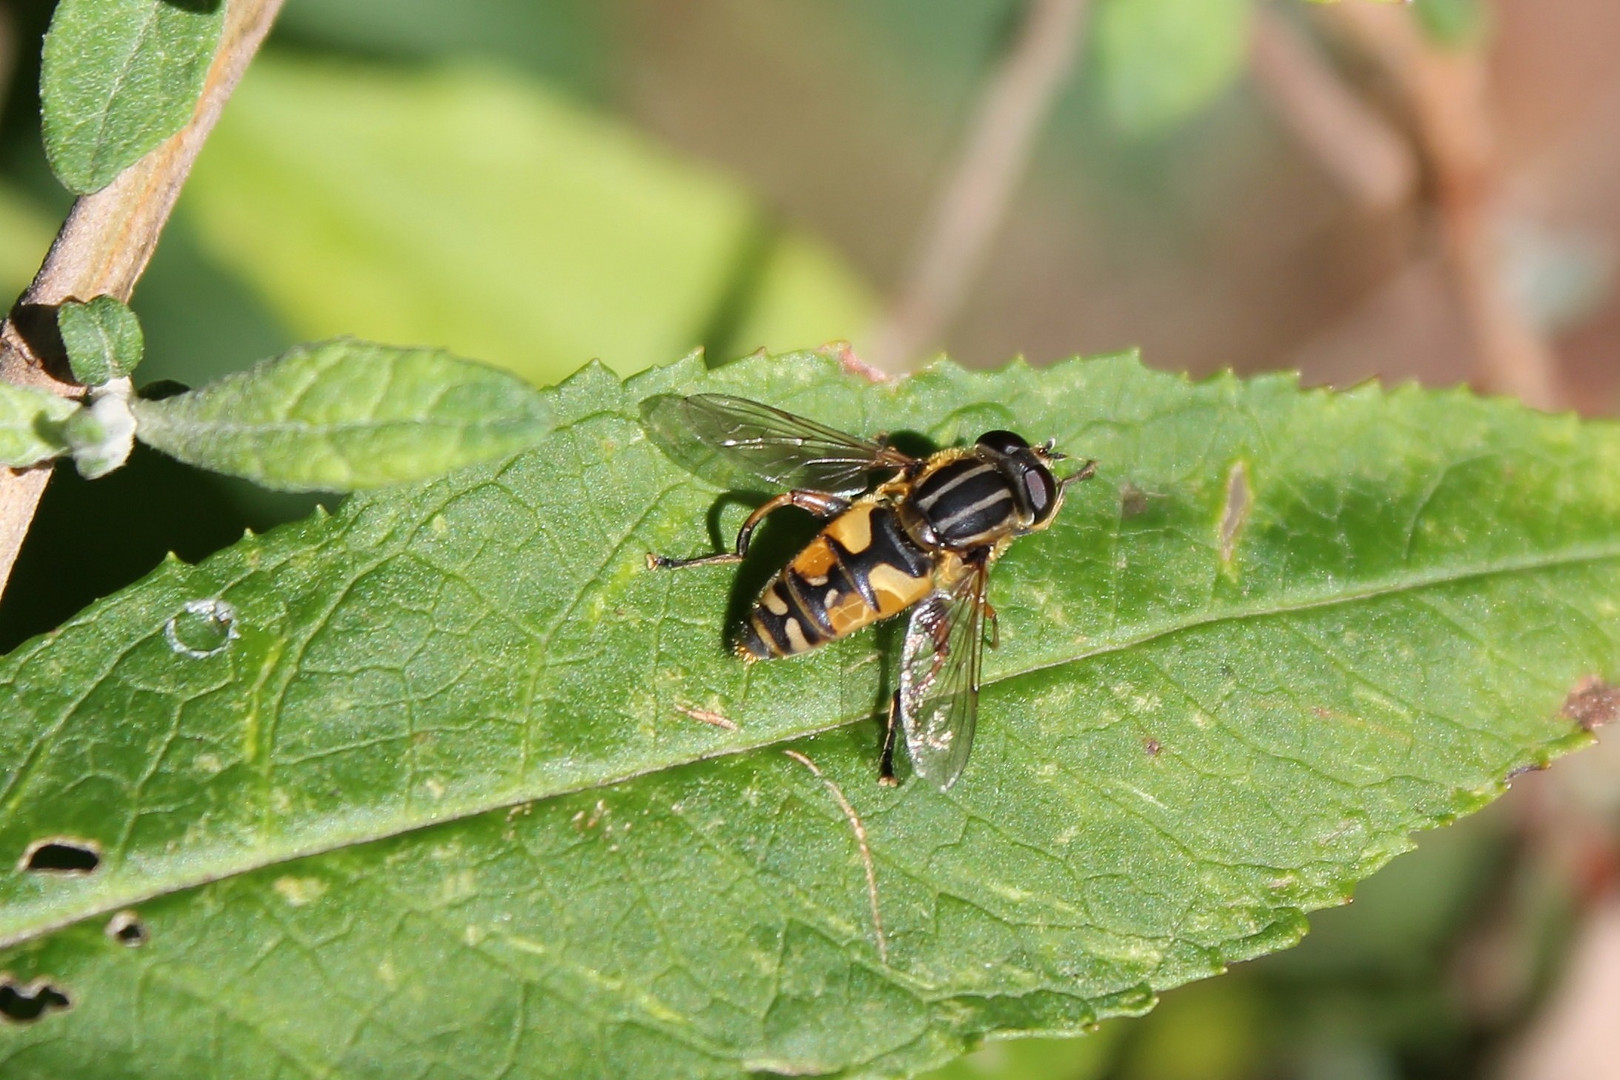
{"x": 559, "y": 236}
{"x": 30, "y": 425}
{"x": 450, "y": 782}
{"x": 1452, "y": 23}
{"x": 344, "y": 415}
{"x": 118, "y": 77}
{"x": 1162, "y": 61}
{"x": 103, "y": 339}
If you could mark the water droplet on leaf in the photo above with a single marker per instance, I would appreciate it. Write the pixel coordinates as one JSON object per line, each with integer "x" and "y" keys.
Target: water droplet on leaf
{"x": 203, "y": 629}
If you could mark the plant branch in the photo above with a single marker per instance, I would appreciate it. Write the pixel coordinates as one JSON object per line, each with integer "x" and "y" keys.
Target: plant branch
{"x": 1447, "y": 92}
{"x": 999, "y": 141}
{"x": 103, "y": 247}
{"x": 1364, "y": 154}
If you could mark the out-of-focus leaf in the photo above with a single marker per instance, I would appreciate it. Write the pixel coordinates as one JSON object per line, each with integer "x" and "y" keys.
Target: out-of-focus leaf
{"x": 1161, "y": 61}
{"x": 1452, "y": 23}
{"x": 451, "y": 783}
{"x": 103, "y": 339}
{"x": 472, "y": 210}
{"x": 25, "y": 237}
{"x": 30, "y": 420}
{"x": 1087, "y": 1058}
{"x": 343, "y": 415}
{"x": 119, "y": 77}
{"x": 564, "y": 41}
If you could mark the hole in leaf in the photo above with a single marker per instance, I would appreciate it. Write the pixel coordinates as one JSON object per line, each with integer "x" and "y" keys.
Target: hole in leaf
{"x": 126, "y": 928}
{"x": 26, "y": 1002}
{"x": 61, "y": 855}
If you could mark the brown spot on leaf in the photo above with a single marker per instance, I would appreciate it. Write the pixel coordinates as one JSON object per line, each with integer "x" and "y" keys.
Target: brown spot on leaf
{"x": 1592, "y": 703}
{"x": 844, "y": 353}
{"x": 1237, "y": 509}
{"x": 1152, "y": 747}
{"x": 1133, "y": 501}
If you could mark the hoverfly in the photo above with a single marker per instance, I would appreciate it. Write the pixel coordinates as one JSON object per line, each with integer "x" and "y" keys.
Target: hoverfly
{"x": 924, "y": 538}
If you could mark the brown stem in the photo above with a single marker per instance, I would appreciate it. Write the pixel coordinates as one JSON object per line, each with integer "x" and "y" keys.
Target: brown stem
{"x": 1000, "y": 138}
{"x": 1447, "y": 92}
{"x": 104, "y": 245}
{"x": 1364, "y": 154}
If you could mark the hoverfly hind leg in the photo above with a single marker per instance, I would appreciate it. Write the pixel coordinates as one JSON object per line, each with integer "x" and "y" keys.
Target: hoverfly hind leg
{"x": 669, "y": 562}
{"x": 818, "y": 503}
{"x": 886, "y": 775}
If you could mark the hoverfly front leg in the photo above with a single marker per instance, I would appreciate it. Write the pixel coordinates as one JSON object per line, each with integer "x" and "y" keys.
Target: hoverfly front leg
{"x": 818, "y": 503}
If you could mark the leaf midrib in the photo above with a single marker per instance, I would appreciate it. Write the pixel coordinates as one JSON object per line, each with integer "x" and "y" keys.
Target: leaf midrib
{"x": 102, "y": 905}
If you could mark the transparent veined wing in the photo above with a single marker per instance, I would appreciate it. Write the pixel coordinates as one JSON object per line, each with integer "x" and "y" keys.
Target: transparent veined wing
{"x": 732, "y": 441}
{"x": 939, "y": 677}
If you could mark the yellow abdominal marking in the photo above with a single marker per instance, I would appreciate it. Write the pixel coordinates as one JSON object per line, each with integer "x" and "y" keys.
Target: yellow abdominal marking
{"x": 894, "y": 589}
{"x": 853, "y": 529}
{"x": 773, "y": 602}
{"x": 850, "y": 613}
{"x": 795, "y": 635}
{"x": 815, "y": 562}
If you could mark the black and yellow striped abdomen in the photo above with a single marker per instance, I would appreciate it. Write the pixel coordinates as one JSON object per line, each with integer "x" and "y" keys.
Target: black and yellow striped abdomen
{"x": 861, "y": 568}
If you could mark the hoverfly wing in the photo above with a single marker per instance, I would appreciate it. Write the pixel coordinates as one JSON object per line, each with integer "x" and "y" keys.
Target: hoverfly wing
{"x": 732, "y": 441}
{"x": 939, "y": 678}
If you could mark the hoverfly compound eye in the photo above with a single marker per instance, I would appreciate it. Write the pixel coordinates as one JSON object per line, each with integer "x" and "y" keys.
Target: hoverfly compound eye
{"x": 1003, "y": 442}
{"x": 1042, "y": 492}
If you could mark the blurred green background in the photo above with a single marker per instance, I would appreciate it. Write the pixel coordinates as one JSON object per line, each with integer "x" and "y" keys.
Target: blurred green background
{"x": 537, "y": 183}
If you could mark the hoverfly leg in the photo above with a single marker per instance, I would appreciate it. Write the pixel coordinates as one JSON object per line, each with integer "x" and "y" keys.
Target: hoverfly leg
{"x": 818, "y": 503}
{"x": 992, "y": 626}
{"x": 886, "y": 775}
{"x": 1085, "y": 472}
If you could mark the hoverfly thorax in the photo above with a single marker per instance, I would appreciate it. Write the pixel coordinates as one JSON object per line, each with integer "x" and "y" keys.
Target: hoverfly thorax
{"x": 996, "y": 489}
{"x": 1037, "y": 493}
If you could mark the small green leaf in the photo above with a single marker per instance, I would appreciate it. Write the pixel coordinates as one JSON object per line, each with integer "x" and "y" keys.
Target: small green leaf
{"x": 118, "y": 77}
{"x": 31, "y": 425}
{"x": 343, "y": 415}
{"x": 449, "y": 783}
{"x": 1161, "y": 61}
{"x": 103, "y": 339}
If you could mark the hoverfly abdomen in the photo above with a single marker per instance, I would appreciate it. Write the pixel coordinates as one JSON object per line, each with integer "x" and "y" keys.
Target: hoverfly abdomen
{"x": 861, "y": 568}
